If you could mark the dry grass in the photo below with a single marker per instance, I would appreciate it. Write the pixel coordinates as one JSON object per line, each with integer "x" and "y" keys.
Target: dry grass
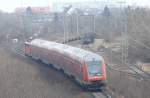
{"x": 24, "y": 78}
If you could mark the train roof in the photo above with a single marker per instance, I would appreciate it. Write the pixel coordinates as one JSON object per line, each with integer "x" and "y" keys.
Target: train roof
{"x": 62, "y": 48}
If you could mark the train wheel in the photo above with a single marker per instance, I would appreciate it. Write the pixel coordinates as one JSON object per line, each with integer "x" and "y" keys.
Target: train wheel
{"x": 72, "y": 78}
{"x": 61, "y": 70}
{"x": 50, "y": 65}
{"x": 84, "y": 87}
{"x": 39, "y": 60}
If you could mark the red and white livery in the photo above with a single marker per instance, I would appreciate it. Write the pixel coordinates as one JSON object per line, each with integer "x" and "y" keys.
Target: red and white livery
{"x": 87, "y": 68}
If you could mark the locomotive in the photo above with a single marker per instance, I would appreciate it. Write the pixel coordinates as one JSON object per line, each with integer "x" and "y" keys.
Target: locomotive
{"x": 87, "y": 68}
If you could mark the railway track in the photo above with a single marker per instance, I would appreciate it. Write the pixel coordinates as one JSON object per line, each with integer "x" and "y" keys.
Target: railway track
{"x": 131, "y": 70}
{"x": 98, "y": 95}
{"x": 18, "y": 52}
{"x": 103, "y": 94}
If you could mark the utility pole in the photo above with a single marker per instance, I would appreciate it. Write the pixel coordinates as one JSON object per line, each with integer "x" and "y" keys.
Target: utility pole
{"x": 64, "y": 27}
{"x": 124, "y": 33}
{"x": 77, "y": 24}
{"x": 66, "y": 9}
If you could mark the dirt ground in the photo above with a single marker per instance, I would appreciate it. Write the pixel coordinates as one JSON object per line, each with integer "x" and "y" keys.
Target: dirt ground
{"x": 24, "y": 78}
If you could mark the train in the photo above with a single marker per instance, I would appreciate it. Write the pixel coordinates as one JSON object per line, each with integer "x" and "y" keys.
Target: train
{"x": 87, "y": 68}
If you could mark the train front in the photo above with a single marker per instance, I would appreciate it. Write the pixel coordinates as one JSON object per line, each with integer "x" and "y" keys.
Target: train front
{"x": 95, "y": 72}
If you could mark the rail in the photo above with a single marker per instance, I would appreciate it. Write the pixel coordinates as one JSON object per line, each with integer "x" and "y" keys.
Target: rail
{"x": 103, "y": 94}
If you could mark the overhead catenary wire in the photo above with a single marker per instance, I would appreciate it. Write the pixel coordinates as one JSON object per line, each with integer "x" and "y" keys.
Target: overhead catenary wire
{"x": 140, "y": 43}
{"x": 129, "y": 66}
{"x": 135, "y": 74}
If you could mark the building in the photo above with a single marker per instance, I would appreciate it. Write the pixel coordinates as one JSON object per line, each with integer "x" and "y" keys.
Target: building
{"x": 34, "y": 10}
{"x": 36, "y": 14}
{"x": 146, "y": 67}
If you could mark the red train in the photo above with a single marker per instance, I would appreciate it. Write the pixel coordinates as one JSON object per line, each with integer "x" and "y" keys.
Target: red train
{"x": 87, "y": 68}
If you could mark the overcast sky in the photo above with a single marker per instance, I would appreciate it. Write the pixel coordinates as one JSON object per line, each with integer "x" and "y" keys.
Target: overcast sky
{"x": 10, "y": 5}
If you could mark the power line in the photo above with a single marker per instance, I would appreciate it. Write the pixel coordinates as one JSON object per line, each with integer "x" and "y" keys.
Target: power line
{"x": 140, "y": 43}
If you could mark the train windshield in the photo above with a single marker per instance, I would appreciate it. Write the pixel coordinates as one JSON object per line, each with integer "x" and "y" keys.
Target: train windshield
{"x": 94, "y": 68}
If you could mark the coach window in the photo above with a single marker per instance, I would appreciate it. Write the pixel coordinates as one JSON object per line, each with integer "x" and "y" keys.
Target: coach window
{"x": 94, "y": 68}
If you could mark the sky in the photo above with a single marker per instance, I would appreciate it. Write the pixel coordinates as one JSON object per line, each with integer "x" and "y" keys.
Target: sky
{"x": 10, "y": 5}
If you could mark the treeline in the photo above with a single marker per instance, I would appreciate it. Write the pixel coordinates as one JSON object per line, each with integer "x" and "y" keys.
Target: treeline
{"x": 109, "y": 24}
{"x": 13, "y": 26}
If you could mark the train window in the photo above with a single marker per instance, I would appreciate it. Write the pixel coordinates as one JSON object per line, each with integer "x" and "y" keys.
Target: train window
{"x": 94, "y": 68}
